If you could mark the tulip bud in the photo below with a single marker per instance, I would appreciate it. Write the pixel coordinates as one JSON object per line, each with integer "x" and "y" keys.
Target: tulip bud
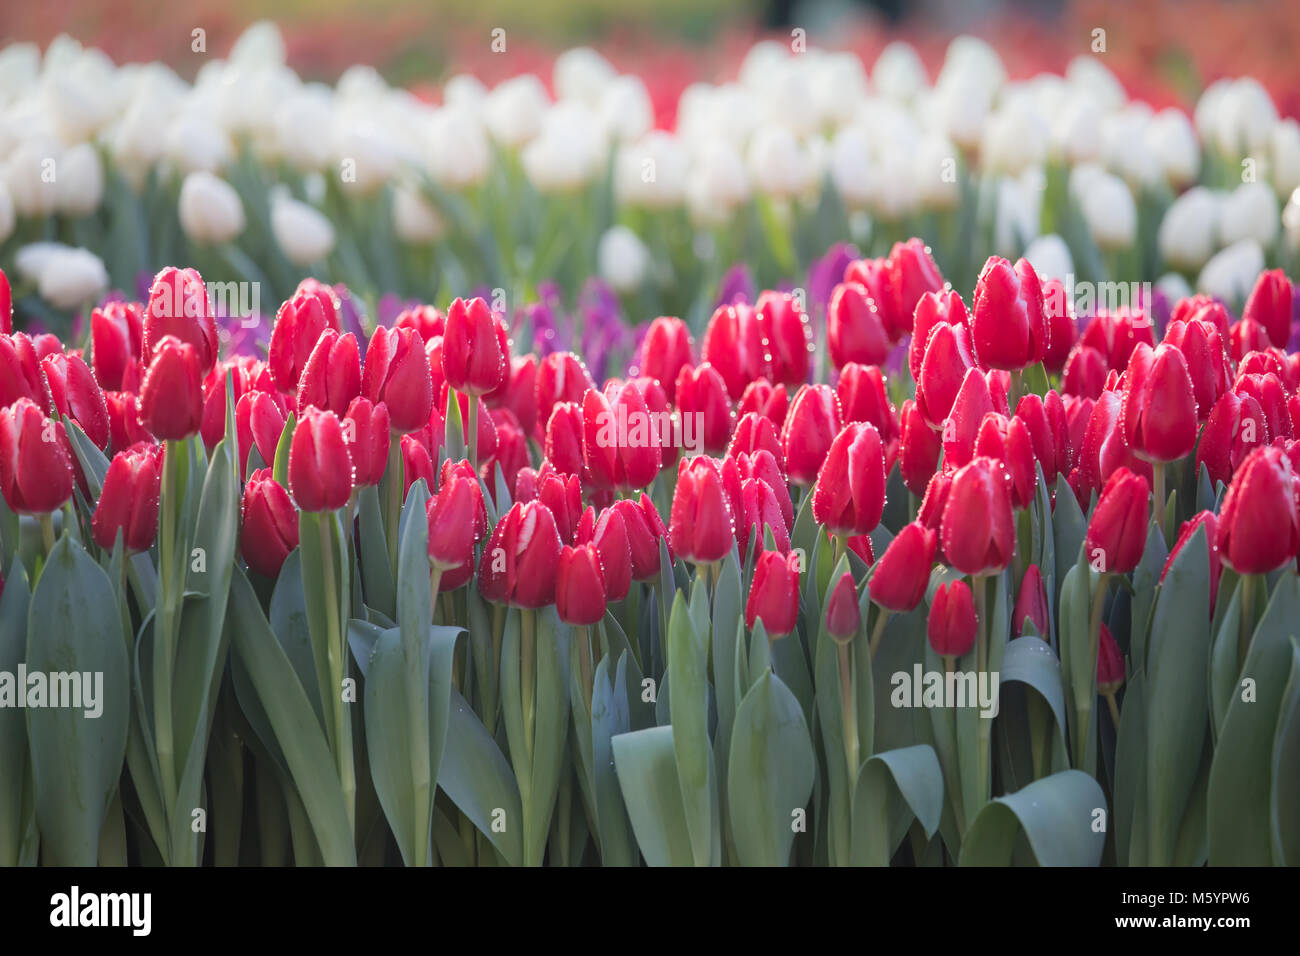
{"x": 74, "y": 392}
{"x": 1271, "y": 305}
{"x": 1269, "y": 391}
{"x": 785, "y": 330}
{"x": 367, "y": 432}
{"x": 734, "y": 345}
{"x": 1207, "y": 361}
{"x": 645, "y": 529}
{"x": 258, "y": 421}
{"x": 810, "y": 428}
{"x": 1031, "y": 604}
{"x": 702, "y": 399}
{"x": 521, "y": 559}
{"x": 1116, "y": 334}
{"x": 902, "y": 574}
{"x": 563, "y": 495}
{"x": 417, "y": 463}
{"x": 331, "y": 379}
{"x": 209, "y": 208}
{"x": 760, "y": 509}
{"x": 451, "y": 517}
{"x": 702, "y": 521}
{"x": 1258, "y": 530}
{"x": 1236, "y": 426}
{"x": 320, "y": 468}
{"x": 855, "y": 329}
{"x": 124, "y": 420}
{"x": 35, "y": 466}
{"x": 932, "y": 310}
{"x": 754, "y": 432}
{"x": 171, "y": 398}
{"x": 269, "y": 531}
{"x": 761, "y": 397}
{"x": 952, "y": 625}
{"x": 960, "y": 431}
{"x": 564, "y": 439}
{"x": 179, "y": 307}
{"x": 849, "y": 497}
{"x": 774, "y": 594}
{"x": 862, "y": 395}
{"x": 1008, "y": 329}
{"x": 396, "y": 372}
{"x": 978, "y": 530}
{"x": 1210, "y": 522}
{"x": 116, "y": 337}
{"x": 919, "y": 448}
{"x": 1158, "y": 414}
{"x": 1117, "y": 532}
{"x": 299, "y": 324}
{"x": 843, "y": 616}
{"x": 1062, "y": 329}
{"x": 561, "y": 377}
{"x": 475, "y": 349}
{"x": 580, "y": 585}
{"x": 1085, "y": 372}
{"x": 128, "y": 501}
{"x": 608, "y": 534}
{"x": 912, "y": 274}
{"x": 519, "y": 392}
{"x": 1110, "y": 663}
{"x": 665, "y": 351}
{"x": 876, "y": 276}
{"x": 943, "y": 370}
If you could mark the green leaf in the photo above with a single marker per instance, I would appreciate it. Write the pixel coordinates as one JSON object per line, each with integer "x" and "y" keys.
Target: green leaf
{"x": 647, "y": 775}
{"x": 372, "y": 553}
{"x": 610, "y": 717}
{"x": 476, "y": 776}
{"x": 1285, "y": 796}
{"x": 76, "y": 758}
{"x": 1031, "y": 661}
{"x": 894, "y": 788}
{"x": 688, "y": 703}
{"x": 280, "y": 468}
{"x": 1059, "y": 817}
{"x": 17, "y": 817}
{"x": 1130, "y": 775}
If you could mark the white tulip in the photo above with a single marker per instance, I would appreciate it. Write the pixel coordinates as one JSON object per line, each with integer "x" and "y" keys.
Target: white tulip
{"x": 364, "y": 153}
{"x": 1076, "y": 130}
{"x": 1014, "y": 140}
{"x": 934, "y": 173}
{"x": 466, "y": 90}
{"x": 20, "y": 68}
{"x": 210, "y": 209}
{"x": 622, "y": 259}
{"x": 261, "y": 44}
{"x": 7, "y": 219}
{"x": 1089, "y": 74}
{"x": 361, "y": 84}
{"x": 899, "y": 73}
{"x": 80, "y": 181}
{"x": 850, "y": 167}
{"x": 458, "y": 150}
{"x": 718, "y": 183}
{"x": 1173, "y": 287}
{"x": 514, "y": 110}
{"x": 1231, "y": 273}
{"x": 971, "y": 61}
{"x": 32, "y": 176}
{"x": 1172, "y": 141}
{"x": 1124, "y": 149}
{"x": 1249, "y": 212}
{"x": 763, "y": 57}
{"x": 415, "y": 220}
{"x": 81, "y": 94}
{"x": 1291, "y": 221}
{"x": 652, "y": 172}
{"x": 959, "y": 108}
{"x": 302, "y": 232}
{"x": 780, "y": 166}
{"x": 1205, "y": 117}
{"x": 193, "y": 142}
{"x": 1285, "y": 142}
{"x": 301, "y": 122}
{"x": 1050, "y": 257}
{"x": 1188, "y": 233}
{"x": 1110, "y": 212}
{"x": 582, "y": 74}
{"x": 68, "y": 278}
{"x": 1236, "y": 116}
{"x": 787, "y": 97}
{"x": 625, "y": 110}
{"x": 1018, "y": 209}
{"x": 839, "y": 83}
{"x": 567, "y": 152}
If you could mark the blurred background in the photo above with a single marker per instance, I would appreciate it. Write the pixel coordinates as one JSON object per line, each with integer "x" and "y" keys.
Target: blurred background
{"x": 1165, "y": 51}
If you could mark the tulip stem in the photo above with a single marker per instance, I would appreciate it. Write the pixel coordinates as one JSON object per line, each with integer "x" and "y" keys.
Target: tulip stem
{"x": 849, "y": 711}
{"x": 337, "y": 665}
{"x": 878, "y": 631}
{"x": 1246, "y": 628}
{"x": 47, "y": 532}
{"x": 165, "y": 623}
{"x": 527, "y": 679}
{"x": 584, "y": 661}
{"x": 1013, "y": 393}
{"x": 1114, "y": 709}
{"x": 473, "y": 431}
{"x": 1158, "y": 504}
{"x": 393, "y": 476}
{"x": 985, "y": 725}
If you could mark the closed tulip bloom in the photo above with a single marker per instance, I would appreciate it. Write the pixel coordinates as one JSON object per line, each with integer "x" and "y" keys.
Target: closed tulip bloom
{"x": 1062, "y": 328}
{"x": 6, "y": 326}
{"x": 774, "y": 594}
{"x": 1085, "y": 372}
{"x": 463, "y": 469}
{"x": 912, "y": 274}
{"x": 665, "y": 351}
{"x": 320, "y": 468}
{"x": 75, "y": 393}
{"x": 1009, "y": 441}
{"x": 20, "y": 371}
{"x": 943, "y": 369}
{"x": 1235, "y": 428}
{"x": 978, "y": 530}
{"x": 850, "y": 494}
{"x": 269, "y": 530}
{"x": 171, "y": 398}
{"x": 843, "y": 616}
{"x": 735, "y": 346}
{"x": 1271, "y": 304}
{"x": 789, "y": 339}
{"x": 367, "y": 431}
{"x": 563, "y": 495}
{"x": 952, "y": 625}
{"x": 855, "y": 329}
{"x": 1270, "y": 392}
{"x": 512, "y": 450}
{"x": 1116, "y": 334}
{"x": 563, "y": 447}
{"x": 919, "y": 448}
{"x": 1203, "y": 307}
{"x": 128, "y": 501}
{"x": 766, "y": 467}
{"x": 1207, "y": 361}
{"x": 417, "y": 463}
{"x": 1110, "y": 663}
{"x": 1247, "y": 335}
{"x": 1158, "y": 413}
{"x": 239, "y": 373}
{"x": 900, "y": 577}
{"x": 932, "y": 310}
{"x": 620, "y": 438}
{"x": 519, "y": 392}
{"x": 608, "y": 533}
{"x": 961, "y": 429}
{"x": 331, "y": 378}
{"x": 1258, "y": 530}
{"x": 178, "y": 306}
{"x": 124, "y": 420}
{"x": 259, "y": 422}
{"x": 450, "y": 514}
{"x": 1117, "y": 531}
{"x": 1045, "y": 434}
{"x": 764, "y": 398}
{"x": 1210, "y": 522}
{"x": 426, "y": 320}
{"x": 299, "y": 324}
{"x": 754, "y": 432}
{"x": 645, "y": 529}
{"x": 521, "y": 559}
{"x": 475, "y": 349}
{"x": 1008, "y": 329}
{"x": 1272, "y": 362}
{"x": 561, "y": 377}
{"x": 116, "y": 338}
{"x": 702, "y": 396}
{"x": 396, "y": 372}
{"x": 862, "y": 395}
{"x": 809, "y": 429}
{"x": 876, "y": 276}
{"x": 580, "y": 585}
{"x": 1031, "y": 604}
{"x": 761, "y": 510}
{"x": 701, "y": 523}
{"x": 35, "y": 467}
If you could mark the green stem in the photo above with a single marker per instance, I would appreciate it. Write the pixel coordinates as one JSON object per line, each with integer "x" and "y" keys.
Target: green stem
{"x": 584, "y": 661}
{"x": 165, "y": 624}
{"x": 1158, "y": 502}
{"x": 393, "y": 499}
{"x": 47, "y": 532}
{"x": 1246, "y": 628}
{"x": 1017, "y": 386}
{"x": 878, "y": 631}
{"x": 527, "y": 677}
{"x": 1084, "y": 705}
{"x": 473, "y": 432}
{"x": 849, "y": 711}
{"x": 334, "y": 649}
{"x": 985, "y": 725}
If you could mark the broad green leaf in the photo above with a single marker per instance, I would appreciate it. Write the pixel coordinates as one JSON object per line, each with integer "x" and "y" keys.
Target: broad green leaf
{"x": 1062, "y": 818}
{"x": 476, "y": 776}
{"x": 688, "y": 703}
{"x": 647, "y": 775}
{"x": 1285, "y": 796}
{"x": 17, "y": 818}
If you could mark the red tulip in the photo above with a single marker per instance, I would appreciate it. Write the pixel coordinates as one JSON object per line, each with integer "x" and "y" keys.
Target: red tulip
{"x": 1269, "y": 391}
{"x": 417, "y": 463}
{"x": 645, "y": 529}
{"x": 785, "y": 331}
{"x": 1270, "y": 304}
{"x": 451, "y": 516}
{"x": 855, "y": 329}
{"x": 735, "y": 346}
{"x": 760, "y": 509}
{"x": 512, "y": 451}
{"x": 124, "y": 420}
{"x": 396, "y": 372}
{"x": 35, "y": 466}
{"x": 367, "y": 431}
{"x": 171, "y": 398}
{"x": 128, "y": 501}
{"x": 1008, "y": 329}
{"x": 943, "y": 369}
{"x": 754, "y": 432}
{"x": 521, "y": 559}
{"x": 259, "y": 422}
{"x": 862, "y": 395}
{"x": 1117, "y": 532}
{"x": 424, "y": 320}
{"x": 1110, "y": 663}
{"x": 564, "y": 439}
{"x": 608, "y": 534}
{"x": 1044, "y": 422}
{"x": 919, "y": 448}
{"x": 764, "y": 466}
{"x": 1008, "y": 440}
{"x": 563, "y": 495}
{"x": 843, "y": 616}
{"x": 580, "y": 585}
{"x": 475, "y": 349}
{"x": 665, "y": 351}
{"x": 331, "y": 378}
{"x": 1031, "y": 604}
{"x": 299, "y": 324}
{"x": 320, "y": 468}
{"x": 912, "y": 273}
{"x": 620, "y": 439}
{"x": 1158, "y": 413}
{"x": 561, "y": 377}
{"x": 774, "y": 594}
{"x": 6, "y": 326}
{"x": 1085, "y": 372}
{"x": 179, "y": 307}
{"x": 1116, "y": 334}
{"x": 1207, "y": 362}
{"x": 978, "y": 530}
{"x": 932, "y": 310}
{"x": 116, "y": 338}
{"x": 809, "y": 429}
{"x": 972, "y": 403}
{"x": 850, "y": 494}
{"x": 1210, "y": 522}
{"x": 767, "y": 400}
{"x": 1236, "y": 426}
{"x": 75, "y": 393}
{"x": 876, "y": 276}
{"x": 952, "y": 625}
{"x": 452, "y": 469}
{"x": 702, "y": 400}
{"x": 1062, "y": 328}
{"x": 1258, "y": 530}
{"x": 269, "y": 531}
{"x": 902, "y": 574}
{"x": 519, "y": 392}
{"x": 20, "y": 371}
{"x": 213, "y": 425}
{"x": 702, "y": 521}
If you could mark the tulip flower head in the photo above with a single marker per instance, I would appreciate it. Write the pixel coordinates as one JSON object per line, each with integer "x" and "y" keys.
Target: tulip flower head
{"x": 774, "y": 594}
{"x": 952, "y": 626}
